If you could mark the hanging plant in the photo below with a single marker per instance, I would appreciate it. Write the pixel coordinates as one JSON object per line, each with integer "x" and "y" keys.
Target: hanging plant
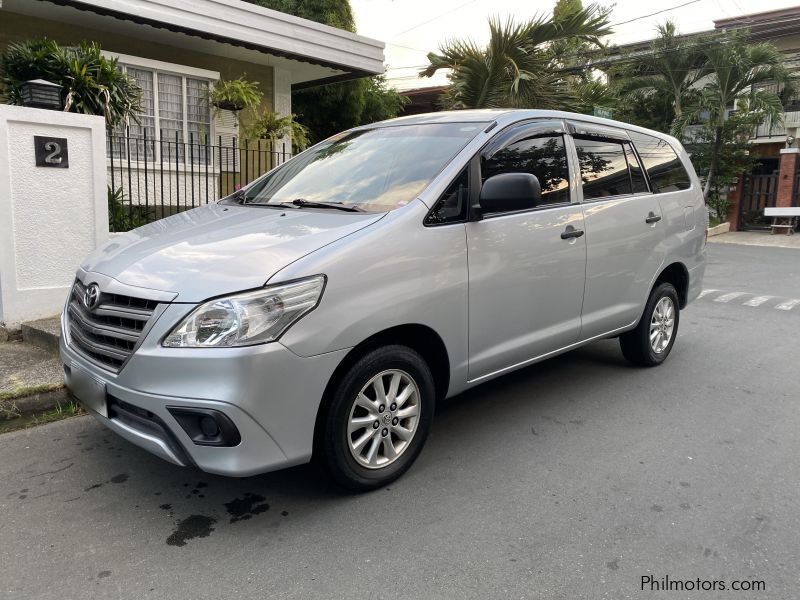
{"x": 235, "y": 94}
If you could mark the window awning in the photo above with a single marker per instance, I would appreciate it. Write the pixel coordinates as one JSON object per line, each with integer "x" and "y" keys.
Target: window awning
{"x": 312, "y": 53}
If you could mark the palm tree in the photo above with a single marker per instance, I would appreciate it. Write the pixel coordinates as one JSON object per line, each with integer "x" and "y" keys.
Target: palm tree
{"x": 741, "y": 75}
{"x": 523, "y": 66}
{"x": 669, "y": 70}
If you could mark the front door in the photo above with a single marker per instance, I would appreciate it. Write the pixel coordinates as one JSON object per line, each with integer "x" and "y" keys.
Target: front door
{"x": 525, "y": 279}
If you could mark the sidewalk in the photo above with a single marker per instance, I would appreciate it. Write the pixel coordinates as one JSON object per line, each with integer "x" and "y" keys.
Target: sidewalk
{"x": 31, "y": 378}
{"x": 757, "y": 238}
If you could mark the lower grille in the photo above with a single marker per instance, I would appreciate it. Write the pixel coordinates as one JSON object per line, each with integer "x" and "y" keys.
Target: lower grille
{"x": 106, "y": 328}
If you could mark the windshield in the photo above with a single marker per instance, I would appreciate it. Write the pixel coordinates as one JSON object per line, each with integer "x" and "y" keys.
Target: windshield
{"x": 372, "y": 169}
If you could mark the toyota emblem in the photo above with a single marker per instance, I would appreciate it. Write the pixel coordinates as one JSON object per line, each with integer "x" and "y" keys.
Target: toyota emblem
{"x": 91, "y": 295}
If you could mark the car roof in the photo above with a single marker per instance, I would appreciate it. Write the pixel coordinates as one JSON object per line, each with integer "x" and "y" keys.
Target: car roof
{"x": 509, "y": 116}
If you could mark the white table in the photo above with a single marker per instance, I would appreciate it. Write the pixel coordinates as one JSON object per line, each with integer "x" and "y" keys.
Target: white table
{"x": 783, "y": 217}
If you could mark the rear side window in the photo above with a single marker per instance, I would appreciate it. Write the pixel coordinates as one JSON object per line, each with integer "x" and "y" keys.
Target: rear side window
{"x": 604, "y": 168}
{"x": 545, "y": 157}
{"x": 664, "y": 168}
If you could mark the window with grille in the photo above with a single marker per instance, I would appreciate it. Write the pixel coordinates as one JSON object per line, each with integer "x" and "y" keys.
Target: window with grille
{"x": 174, "y": 126}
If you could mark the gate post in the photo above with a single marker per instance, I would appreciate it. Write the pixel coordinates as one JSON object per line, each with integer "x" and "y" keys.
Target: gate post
{"x": 787, "y": 176}
{"x": 735, "y": 203}
{"x": 53, "y": 206}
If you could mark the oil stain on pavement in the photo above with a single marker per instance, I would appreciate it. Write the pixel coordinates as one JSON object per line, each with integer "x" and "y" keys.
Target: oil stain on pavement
{"x": 241, "y": 509}
{"x": 195, "y": 526}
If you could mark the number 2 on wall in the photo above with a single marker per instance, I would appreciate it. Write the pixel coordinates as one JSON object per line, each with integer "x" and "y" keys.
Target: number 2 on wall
{"x": 51, "y": 151}
{"x": 54, "y": 156}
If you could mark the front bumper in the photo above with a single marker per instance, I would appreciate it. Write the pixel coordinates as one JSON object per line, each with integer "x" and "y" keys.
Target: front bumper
{"x": 270, "y": 394}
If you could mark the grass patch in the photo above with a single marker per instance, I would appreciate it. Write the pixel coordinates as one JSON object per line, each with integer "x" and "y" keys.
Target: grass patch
{"x": 714, "y": 221}
{"x": 29, "y": 390}
{"x": 62, "y": 411}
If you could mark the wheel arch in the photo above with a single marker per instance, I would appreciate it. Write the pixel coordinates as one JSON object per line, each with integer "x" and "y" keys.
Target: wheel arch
{"x": 678, "y": 275}
{"x": 419, "y": 338}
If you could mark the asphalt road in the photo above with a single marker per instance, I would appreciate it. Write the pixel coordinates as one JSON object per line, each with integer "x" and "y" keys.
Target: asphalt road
{"x": 571, "y": 479}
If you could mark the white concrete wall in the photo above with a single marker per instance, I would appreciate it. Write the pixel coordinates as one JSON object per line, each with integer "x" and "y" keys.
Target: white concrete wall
{"x": 50, "y": 218}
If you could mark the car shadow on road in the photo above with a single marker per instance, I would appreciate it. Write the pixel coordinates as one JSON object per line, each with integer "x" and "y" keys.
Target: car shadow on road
{"x": 196, "y": 503}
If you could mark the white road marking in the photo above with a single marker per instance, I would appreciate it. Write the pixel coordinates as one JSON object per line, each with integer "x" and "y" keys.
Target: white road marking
{"x": 757, "y": 301}
{"x": 728, "y": 297}
{"x": 706, "y": 293}
{"x": 788, "y": 305}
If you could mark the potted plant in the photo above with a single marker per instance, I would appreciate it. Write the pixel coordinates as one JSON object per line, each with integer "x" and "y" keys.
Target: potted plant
{"x": 271, "y": 126}
{"x": 235, "y": 94}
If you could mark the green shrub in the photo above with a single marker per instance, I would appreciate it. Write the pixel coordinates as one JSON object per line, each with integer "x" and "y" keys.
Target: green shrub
{"x": 90, "y": 82}
{"x": 124, "y": 218}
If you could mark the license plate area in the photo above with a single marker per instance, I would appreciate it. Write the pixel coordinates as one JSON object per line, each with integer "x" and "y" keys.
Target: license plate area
{"x": 88, "y": 389}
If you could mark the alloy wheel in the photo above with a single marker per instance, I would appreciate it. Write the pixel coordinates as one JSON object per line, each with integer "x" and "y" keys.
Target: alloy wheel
{"x": 662, "y": 325}
{"x": 383, "y": 419}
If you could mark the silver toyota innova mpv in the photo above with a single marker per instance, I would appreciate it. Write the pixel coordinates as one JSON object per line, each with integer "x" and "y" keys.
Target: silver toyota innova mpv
{"x": 324, "y": 309}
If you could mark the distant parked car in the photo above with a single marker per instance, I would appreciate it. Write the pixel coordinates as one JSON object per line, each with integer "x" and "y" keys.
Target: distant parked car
{"x": 324, "y": 309}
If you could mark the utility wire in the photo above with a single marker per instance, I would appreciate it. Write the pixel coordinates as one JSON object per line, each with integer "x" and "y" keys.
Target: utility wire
{"x": 658, "y": 12}
{"x": 460, "y": 6}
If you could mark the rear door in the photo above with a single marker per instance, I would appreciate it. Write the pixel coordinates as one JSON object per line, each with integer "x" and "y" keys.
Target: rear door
{"x": 525, "y": 279}
{"x": 624, "y": 233}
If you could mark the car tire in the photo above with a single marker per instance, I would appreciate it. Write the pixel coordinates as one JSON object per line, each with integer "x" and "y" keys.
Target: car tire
{"x": 403, "y": 415}
{"x": 651, "y": 342}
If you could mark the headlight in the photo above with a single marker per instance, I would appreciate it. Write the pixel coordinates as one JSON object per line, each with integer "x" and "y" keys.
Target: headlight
{"x": 249, "y": 318}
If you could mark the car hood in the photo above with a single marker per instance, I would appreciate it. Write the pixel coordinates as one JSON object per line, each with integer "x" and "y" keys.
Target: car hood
{"x": 219, "y": 249}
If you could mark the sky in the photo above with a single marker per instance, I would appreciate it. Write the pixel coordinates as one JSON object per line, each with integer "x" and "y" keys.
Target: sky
{"x": 412, "y": 28}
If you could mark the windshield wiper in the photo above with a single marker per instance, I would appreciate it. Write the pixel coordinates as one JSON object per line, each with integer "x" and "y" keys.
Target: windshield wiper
{"x": 336, "y": 205}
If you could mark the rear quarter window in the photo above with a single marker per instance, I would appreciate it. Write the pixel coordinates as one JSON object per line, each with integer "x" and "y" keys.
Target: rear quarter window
{"x": 664, "y": 168}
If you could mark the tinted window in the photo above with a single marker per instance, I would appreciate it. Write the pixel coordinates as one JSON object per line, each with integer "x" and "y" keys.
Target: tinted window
{"x": 452, "y": 206}
{"x": 604, "y": 168}
{"x": 372, "y": 169}
{"x": 637, "y": 176}
{"x": 543, "y": 156}
{"x": 664, "y": 168}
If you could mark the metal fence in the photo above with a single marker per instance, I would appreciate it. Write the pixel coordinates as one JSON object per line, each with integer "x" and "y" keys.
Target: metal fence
{"x": 153, "y": 178}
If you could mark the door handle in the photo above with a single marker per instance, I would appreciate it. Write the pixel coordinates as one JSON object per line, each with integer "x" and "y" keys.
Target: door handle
{"x": 571, "y": 232}
{"x": 652, "y": 218}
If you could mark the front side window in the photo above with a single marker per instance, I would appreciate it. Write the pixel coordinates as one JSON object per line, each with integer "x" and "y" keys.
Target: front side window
{"x": 604, "y": 168}
{"x": 452, "y": 206}
{"x": 543, "y": 156}
{"x": 664, "y": 168}
{"x": 373, "y": 170}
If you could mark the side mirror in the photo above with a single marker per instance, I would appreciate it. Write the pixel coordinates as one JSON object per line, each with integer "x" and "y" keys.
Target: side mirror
{"x": 510, "y": 191}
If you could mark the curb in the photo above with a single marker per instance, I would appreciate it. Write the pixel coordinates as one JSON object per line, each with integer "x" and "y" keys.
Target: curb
{"x": 719, "y": 229}
{"x": 17, "y": 407}
{"x": 34, "y": 333}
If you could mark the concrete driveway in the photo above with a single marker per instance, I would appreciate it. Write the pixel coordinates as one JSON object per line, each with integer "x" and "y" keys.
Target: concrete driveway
{"x": 571, "y": 479}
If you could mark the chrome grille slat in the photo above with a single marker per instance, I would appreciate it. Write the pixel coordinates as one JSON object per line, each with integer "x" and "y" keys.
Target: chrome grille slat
{"x": 82, "y": 317}
{"x": 116, "y": 353}
{"x": 108, "y": 333}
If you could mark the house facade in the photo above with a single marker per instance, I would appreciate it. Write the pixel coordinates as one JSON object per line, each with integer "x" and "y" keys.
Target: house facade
{"x": 775, "y": 178}
{"x": 182, "y": 152}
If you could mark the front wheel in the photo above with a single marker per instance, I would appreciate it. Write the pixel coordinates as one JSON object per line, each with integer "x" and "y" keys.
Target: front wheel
{"x": 651, "y": 342}
{"x": 378, "y": 418}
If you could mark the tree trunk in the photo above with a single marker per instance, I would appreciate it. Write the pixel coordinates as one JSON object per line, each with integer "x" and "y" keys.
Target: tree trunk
{"x": 712, "y": 169}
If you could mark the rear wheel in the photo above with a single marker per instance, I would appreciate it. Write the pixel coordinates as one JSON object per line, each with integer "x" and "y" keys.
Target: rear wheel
{"x": 378, "y": 418}
{"x": 651, "y": 342}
